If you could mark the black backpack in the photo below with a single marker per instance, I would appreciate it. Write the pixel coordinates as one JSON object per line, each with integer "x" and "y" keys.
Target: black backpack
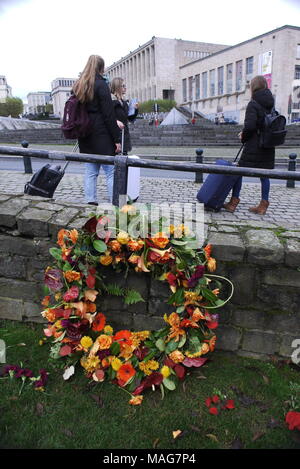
{"x": 274, "y": 131}
{"x": 44, "y": 182}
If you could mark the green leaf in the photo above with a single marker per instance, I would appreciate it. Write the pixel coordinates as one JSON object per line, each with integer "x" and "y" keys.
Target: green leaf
{"x": 182, "y": 341}
{"x": 150, "y": 355}
{"x": 114, "y": 289}
{"x": 67, "y": 266}
{"x": 180, "y": 309}
{"x": 56, "y": 253}
{"x": 194, "y": 344}
{"x": 115, "y": 348}
{"x": 160, "y": 344}
{"x": 171, "y": 346}
{"x": 177, "y": 297}
{"x": 162, "y": 391}
{"x": 169, "y": 384}
{"x": 178, "y": 243}
{"x": 99, "y": 245}
{"x": 132, "y": 296}
{"x": 209, "y": 295}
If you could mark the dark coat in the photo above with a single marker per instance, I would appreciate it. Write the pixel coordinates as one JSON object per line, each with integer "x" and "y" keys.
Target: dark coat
{"x": 105, "y": 133}
{"x": 121, "y": 112}
{"x": 252, "y": 155}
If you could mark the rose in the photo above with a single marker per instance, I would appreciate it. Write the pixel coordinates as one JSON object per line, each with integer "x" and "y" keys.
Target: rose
{"x": 123, "y": 237}
{"x": 104, "y": 341}
{"x": 106, "y": 259}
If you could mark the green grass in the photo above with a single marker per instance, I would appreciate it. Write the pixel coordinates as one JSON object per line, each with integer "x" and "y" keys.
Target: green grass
{"x": 75, "y": 414}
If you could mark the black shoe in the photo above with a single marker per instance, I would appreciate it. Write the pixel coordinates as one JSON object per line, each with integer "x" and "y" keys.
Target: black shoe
{"x": 92, "y": 203}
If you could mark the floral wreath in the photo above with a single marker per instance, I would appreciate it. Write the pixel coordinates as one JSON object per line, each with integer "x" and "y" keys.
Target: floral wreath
{"x": 134, "y": 361}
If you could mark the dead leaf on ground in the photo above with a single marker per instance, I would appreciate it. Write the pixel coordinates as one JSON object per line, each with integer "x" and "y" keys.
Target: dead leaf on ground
{"x": 201, "y": 376}
{"x": 39, "y": 408}
{"x": 176, "y": 434}
{"x": 237, "y": 444}
{"x": 13, "y": 398}
{"x": 266, "y": 379}
{"x": 196, "y": 429}
{"x": 212, "y": 437}
{"x": 98, "y": 400}
{"x": 258, "y": 435}
{"x": 155, "y": 443}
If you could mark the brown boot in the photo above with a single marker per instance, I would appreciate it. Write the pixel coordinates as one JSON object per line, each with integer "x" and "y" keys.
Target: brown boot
{"x": 261, "y": 208}
{"x": 232, "y": 204}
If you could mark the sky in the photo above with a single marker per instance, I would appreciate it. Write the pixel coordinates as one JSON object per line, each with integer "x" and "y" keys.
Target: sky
{"x": 41, "y": 40}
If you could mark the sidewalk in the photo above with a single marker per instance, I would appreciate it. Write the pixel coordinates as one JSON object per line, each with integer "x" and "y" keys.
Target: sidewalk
{"x": 284, "y": 210}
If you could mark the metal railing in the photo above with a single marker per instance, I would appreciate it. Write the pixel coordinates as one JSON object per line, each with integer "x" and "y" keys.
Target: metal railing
{"x": 122, "y": 163}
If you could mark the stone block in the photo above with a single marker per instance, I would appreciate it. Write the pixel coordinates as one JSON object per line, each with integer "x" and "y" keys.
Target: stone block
{"x": 61, "y": 220}
{"x": 20, "y": 289}
{"x": 10, "y": 209}
{"x": 145, "y": 322}
{"x": 42, "y": 246}
{"x": 36, "y": 269}
{"x": 33, "y": 310}
{"x": 11, "y": 309}
{"x": 17, "y": 245}
{"x": 12, "y": 266}
{"x": 158, "y": 306}
{"x": 76, "y": 224}
{"x": 227, "y": 247}
{"x": 279, "y": 298}
{"x": 228, "y": 338}
{"x": 159, "y": 288}
{"x": 140, "y": 283}
{"x": 119, "y": 320}
{"x": 282, "y": 277}
{"x": 34, "y": 222}
{"x": 243, "y": 279}
{"x": 263, "y": 247}
{"x": 290, "y": 346}
{"x": 292, "y": 253}
{"x": 260, "y": 342}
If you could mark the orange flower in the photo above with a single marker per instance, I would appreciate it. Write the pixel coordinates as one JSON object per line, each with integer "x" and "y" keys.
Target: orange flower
{"x": 60, "y": 237}
{"x": 133, "y": 245}
{"x": 211, "y": 264}
{"x": 160, "y": 240}
{"x": 176, "y": 356}
{"x": 174, "y": 320}
{"x": 46, "y": 300}
{"x": 136, "y": 400}
{"x": 207, "y": 251}
{"x": 128, "y": 209}
{"x": 205, "y": 348}
{"x": 197, "y": 315}
{"x": 91, "y": 307}
{"x": 212, "y": 343}
{"x": 125, "y": 373}
{"x": 73, "y": 236}
{"x": 65, "y": 253}
{"x": 49, "y": 314}
{"x": 105, "y": 341}
{"x": 115, "y": 245}
{"x": 106, "y": 259}
{"x": 123, "y": 337}
{"x": 90, "y": 295}
{"x": 72, "y": 276}
{"x": 99, "y": 322}
{"x": 120, "y": 258}
{"x": 134, "y": 259}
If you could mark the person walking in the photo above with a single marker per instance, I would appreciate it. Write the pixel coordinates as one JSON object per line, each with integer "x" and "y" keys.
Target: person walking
{"x": 121, "y": 107}
{"x": 92, "y": 90}
{"x": 253, "y": 156}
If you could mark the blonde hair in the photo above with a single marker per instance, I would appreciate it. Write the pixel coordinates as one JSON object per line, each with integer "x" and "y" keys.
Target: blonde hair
{"x": 83, "y": 88}
{"x": 258, "y": 83}
{"x": 116, "y": 87}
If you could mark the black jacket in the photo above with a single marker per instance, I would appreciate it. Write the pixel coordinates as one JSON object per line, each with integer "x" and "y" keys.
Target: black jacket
{"x": 121, "y": 113}
{"x": 105, "y": 133}
{"x": 252, "y": 155}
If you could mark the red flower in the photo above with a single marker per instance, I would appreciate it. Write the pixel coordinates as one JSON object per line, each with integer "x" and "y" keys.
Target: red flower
{"x": 180, "y": 371}
{"x": 155, "y": 379}
{"x": 123, "y": 337}
{"x": 65, "y": 350}
{"x": 91, "y": 279}
{"x": 99, "y": 322}
{"x": 172, "y": 279}
{"x": 71, "y": 294}
{"x": 215, "y": 399}
{"x": 198, "y": 361}
{"x": 212, "y": 324}
{"x": 208, "y": 402}
{"x": 230, "y": 404}
{"x": 213, "y": 411}
{"x": 293, "y": 420}
{"x": 91, "y": 225}
{"x": 125, "y": 373}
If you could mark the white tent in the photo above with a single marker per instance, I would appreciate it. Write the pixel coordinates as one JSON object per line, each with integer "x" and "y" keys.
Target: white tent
{"x": 174, "y": 118}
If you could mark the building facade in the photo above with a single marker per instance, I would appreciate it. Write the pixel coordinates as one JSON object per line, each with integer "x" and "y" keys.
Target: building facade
{"x": 37, "y": 99}
{"x": 60, "y": 92}
{"x": 219, "y": 83}
{"x": 5, "y": 89}
{"x": 153, "y": 70}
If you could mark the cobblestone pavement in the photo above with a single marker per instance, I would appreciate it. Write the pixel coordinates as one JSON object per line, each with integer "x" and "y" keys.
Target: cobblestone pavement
{"x": 284, "y": 210}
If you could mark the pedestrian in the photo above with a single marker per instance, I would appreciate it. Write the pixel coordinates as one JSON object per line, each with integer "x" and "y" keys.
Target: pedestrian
{"x": 253, "y": 156}
{"x": 92, "y": 89}
{"x": 121, "y": 106}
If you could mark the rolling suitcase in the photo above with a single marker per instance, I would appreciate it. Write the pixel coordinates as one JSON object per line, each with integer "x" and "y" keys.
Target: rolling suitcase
{"x": 44, "y": 182}
{"x": 133, "y": 178}
{"x": 216, "y": 187}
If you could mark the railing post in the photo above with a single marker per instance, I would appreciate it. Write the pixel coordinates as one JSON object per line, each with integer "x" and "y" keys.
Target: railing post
{"x": 199, "y": 159}
{"x": 26, "y": 159}
{"x": 120, "y": 180}
{"x": 291, "y": 167}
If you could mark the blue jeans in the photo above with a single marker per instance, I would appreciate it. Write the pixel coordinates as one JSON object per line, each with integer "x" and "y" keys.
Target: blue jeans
{"x": 90, "y": 180}
{"x": 265, "y": 188}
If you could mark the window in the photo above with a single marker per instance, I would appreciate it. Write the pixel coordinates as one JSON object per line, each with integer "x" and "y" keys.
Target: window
{"x": 238, "y": 75}
{"x": 220, "y": 80}
{"x": 212, "y": 82}
{"x": 249, "y": 66}
{"x": 204, "y": 85}
{"x": 190, "y": 88}
{"x": 297, "y": 72}
{"x": 229, "y": 69}
{"x": 298, "y": 51}
{"x": 197, "y": 84}
{"x": 184, "y": 90}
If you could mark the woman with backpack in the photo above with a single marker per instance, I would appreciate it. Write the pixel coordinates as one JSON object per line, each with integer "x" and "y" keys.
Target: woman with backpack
{"x": 104, "y": 138}
{"x": 253, "y": 156}
{"x": 121, "y": 106}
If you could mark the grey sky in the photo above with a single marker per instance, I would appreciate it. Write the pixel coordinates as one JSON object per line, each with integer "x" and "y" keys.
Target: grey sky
{"x": 42, "y": 40}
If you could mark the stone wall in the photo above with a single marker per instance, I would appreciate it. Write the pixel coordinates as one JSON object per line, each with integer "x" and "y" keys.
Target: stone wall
{"x": 262, "y": 318}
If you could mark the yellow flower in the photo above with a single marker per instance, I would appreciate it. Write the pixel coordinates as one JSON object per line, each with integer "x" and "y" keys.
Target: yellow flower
{"x": 116, "y": 363}
{"x": 176, "y": 356}
{"x": 58, "y": 324}
{"x": 72, "y": 276}
{"x": 123, "y": 237}
{"x": 86, "y": 342}
{"x": 106, "y": 259}
{"x": 211, "y": 264}
{"x": 205, "y": 348}
{"x": 149, "y": 366}
{"x": 171, "y": 228}
{"x": 136, "y": 400}
{"x": 165, "y": 371}
{"x": 128, "y": 209}
{"x": 193, "y": 355}
{"x": 90, "y": 363}
{"x": 108, "y": 330}
{"x": 105, "y": 341}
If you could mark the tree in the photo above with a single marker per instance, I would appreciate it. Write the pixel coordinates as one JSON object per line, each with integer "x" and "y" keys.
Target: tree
{"x": 165, "y": 105}
{"x": 12, "y": 107}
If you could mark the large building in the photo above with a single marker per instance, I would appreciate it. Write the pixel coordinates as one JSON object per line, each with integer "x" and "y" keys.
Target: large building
{"x": 152, "y": 71}
{"x": 220, "y": 83}
{"x": 37, "y": 99}
{"x": 5, "y": 89}
{"x": 60, "y": 92}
